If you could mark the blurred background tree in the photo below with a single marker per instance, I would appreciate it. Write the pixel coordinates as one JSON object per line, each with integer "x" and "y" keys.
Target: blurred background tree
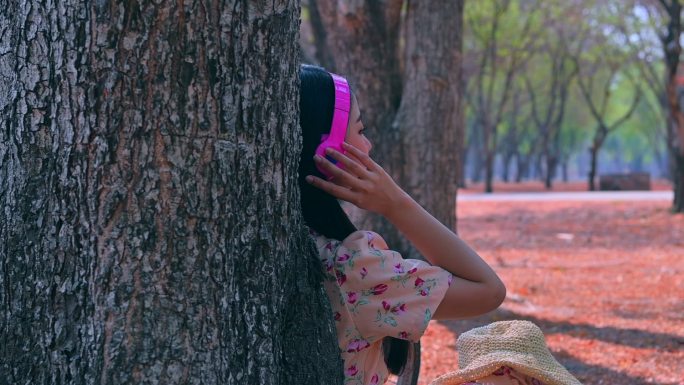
{"x": 552, "y": 89}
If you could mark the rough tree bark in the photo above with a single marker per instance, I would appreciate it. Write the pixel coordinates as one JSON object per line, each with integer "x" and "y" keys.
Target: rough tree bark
{"x": 415, "y": 126}
{"x": 149, "y": 225}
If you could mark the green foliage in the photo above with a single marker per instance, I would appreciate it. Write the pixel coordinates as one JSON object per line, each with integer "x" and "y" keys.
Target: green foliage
{"x": 612, "y": 45}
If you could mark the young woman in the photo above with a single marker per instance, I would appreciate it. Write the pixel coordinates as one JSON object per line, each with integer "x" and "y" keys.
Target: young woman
{"x": 376, "y": 295}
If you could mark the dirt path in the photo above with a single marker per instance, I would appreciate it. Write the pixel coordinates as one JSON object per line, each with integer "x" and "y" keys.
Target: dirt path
{"x": 603, "y": 280}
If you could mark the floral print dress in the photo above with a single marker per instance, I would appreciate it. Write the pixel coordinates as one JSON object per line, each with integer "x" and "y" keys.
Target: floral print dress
{"x": 376, "y": 293}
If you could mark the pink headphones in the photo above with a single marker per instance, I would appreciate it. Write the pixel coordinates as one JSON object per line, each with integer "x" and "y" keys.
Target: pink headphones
{"x": 338, "y": 129}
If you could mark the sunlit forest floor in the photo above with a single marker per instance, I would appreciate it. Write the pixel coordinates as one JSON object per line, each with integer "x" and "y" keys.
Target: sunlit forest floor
{"x": 536, "y": 186}
{"x": 603, "y": 280}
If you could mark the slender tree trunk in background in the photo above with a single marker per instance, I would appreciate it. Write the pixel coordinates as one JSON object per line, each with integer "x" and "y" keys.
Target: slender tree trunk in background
{"x": 548, "y": 109}
{"x": 593, "y": 151}
{"x": 539, "y": 171}
{"x": 510, "y": 146}
{"x": 551, "y": 163}
{"x": 672, "y": 50}
{"x": 599, "y": 106}
{"x": 140, "y": 241}
{"x": 416, "y": 128}
{"x": 477, "y": 150}
{"x": 522, "y": 167}
{"x": 511, "y": 142}
{"x": 505, "y": 167}
{"x": 490, "y": 153}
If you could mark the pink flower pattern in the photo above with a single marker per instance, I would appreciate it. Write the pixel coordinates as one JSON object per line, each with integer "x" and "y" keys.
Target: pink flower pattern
{"x": 375, "y": 293}
{"x": 341, "y": 277}
{"x": 399, "y": 309}
{"x": 379, "y": 289}
{"x": 357, "y": 345}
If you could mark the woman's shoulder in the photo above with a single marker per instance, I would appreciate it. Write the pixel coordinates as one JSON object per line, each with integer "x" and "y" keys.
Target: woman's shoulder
{"x": 359, "y": 239}
{"x": 366, "y": 238}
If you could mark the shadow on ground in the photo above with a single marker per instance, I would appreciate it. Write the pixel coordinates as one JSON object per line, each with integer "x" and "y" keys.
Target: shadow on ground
{"x": 588, "y": 374}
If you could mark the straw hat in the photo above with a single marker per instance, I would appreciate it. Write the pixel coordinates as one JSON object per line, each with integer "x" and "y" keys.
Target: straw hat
{"x": 517, "y": 344}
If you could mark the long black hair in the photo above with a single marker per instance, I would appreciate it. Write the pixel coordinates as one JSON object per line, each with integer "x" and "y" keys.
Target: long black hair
{"x": 322, "y": 212}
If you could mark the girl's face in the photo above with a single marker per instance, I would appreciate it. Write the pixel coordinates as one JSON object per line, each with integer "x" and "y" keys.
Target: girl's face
{"x": 355, "y": 129}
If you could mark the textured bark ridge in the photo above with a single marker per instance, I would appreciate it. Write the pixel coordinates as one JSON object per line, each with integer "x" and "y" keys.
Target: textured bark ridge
{"x": 150, "y": 227}
{"x": 410, "y": 102}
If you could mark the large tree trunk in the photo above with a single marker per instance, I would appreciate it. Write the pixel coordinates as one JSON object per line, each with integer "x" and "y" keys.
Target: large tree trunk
{"x": 140, "y": 243}
{"x": 430, "y": 120}
{"x": 415, "y": 140}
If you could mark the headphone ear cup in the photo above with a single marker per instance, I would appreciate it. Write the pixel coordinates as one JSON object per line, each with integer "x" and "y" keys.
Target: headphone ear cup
{"x": 320, "y": 150}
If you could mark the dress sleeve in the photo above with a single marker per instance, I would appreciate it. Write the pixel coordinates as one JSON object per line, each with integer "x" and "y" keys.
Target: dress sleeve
{"x": 385, "y": 294}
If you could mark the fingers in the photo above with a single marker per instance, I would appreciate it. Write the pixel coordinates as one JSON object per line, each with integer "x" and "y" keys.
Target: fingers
{"x": 340, "y": 176}
{"x": 363, "y": 157}
{"x": 350, "y": 165}
{"x": 338, "y": 192}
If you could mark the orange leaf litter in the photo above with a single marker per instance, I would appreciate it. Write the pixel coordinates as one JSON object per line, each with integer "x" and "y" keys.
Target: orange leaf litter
{"x": 603, "y": 280}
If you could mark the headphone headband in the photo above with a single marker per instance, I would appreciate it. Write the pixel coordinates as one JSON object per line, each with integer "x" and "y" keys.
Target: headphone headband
{"x": 340, "y": 120}
{"x": 338, "y": 129}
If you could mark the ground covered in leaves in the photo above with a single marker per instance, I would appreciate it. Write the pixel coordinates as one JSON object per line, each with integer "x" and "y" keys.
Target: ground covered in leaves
{"x": 603, "y": 280}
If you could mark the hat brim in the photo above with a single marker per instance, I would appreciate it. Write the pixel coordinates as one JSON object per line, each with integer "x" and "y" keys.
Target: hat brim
{"x": 554, "y": 374}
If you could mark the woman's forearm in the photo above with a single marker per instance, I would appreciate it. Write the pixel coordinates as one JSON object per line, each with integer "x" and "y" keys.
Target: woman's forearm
{"x": 438, "y": 244}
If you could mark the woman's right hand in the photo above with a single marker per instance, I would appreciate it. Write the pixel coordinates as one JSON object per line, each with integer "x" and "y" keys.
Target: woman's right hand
{"x": 362, "y": 182}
